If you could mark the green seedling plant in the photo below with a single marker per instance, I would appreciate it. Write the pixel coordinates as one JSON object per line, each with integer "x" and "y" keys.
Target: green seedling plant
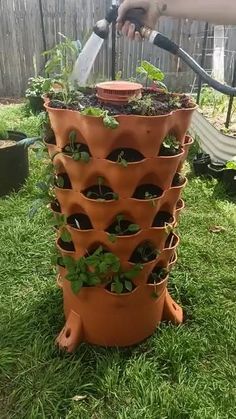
{"x": 152, "y": 73}
{"x": 60, "y": 64}
{"x": 157, "y": 277}
{"x": 151, "y": 197}
{"x": 216, "y": 101}
{"x": 98, "y": 268}
{"x": 143, "y": 106}
{"x": 146, "y": 252}
{"x": 45, "y": 190}
{"x": 3, "y": 131}
{"x": 60, "y": 222}
{"x": 109, "y": 121}
{"x": 231, "y": 165}
{"x": 171, "y": 142}
{"x": 73, "y": 149}
{"x": 122, "y": 281}
{"x": 120, "y": 159}
{"x": 101, "y": 196}
{"x": 169, "y": 228}
{"x": 132, "y": 228}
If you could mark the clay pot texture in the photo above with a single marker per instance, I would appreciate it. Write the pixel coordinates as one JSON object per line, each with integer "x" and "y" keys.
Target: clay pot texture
{"x": 186, "y": 146}
{"x": 120, "y": 320}
{"x": 131, "y": 132}
{"x": 96, "y": 315}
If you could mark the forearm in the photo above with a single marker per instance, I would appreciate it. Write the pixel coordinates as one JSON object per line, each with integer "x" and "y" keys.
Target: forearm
{"x": 215, "y": 11}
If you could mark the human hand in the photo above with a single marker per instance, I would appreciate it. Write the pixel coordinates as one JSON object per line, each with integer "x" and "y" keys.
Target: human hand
{"x": 151, "y": 14}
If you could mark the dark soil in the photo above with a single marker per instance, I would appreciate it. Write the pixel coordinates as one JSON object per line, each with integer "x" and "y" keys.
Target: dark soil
{"x": 49, "y": 136}
{"x": 64, "y": 178}
{"x": 78, "y": 147}
{"x": 169, "y": 151}
{"x": 170, "y": 242}
{"x": 68, "y": 246}
{"x": 142, "y": 191}
{"x": 162, "y": 218}
{"x": 124, "y": 224}
{"x": 55, "y": 206}
{"x": 97, "y": 192}
{"x": 83, "y": 222}
{"x": 157, "y": 275}
{"x": 129, "y": 154}
{"x": 178, "y": 180}
{"x": 162, "y": 103}
{"x": 144, "y": 253}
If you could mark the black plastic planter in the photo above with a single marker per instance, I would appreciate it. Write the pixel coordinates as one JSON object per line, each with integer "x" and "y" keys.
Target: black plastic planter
{"x": 216, "y": 170}
{"x": 229, "y": 179}
{"x": 200, "y": 164}
{"x": 14, "y": 165}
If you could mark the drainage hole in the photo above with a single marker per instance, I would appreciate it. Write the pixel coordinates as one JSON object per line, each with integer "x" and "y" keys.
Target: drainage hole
{"x": 68, "y": 333}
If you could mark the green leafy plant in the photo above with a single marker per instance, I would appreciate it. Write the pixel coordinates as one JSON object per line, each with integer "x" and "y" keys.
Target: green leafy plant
{"x": 60, "y": 64}
{"x": 45, "y": 190}
{"x": 121, "y": 161}
{"x": 108, "y": 120}
{"x": 231, "y": 165}
{"x": 211, "y": 99}
{"x": 101, "y": 195}
{"x": 3, "y": 131}
{"x": 122, "y": 281}
{"x": 60, "y": 222}
{"x": 171, "y": 142}
{"x": 37, "y": 86}
{"x": 157, "y": 276}
{"x": 143, "y": 106}
{"x": 150, "y": 72}
{"x": 98, "y": 268}
{"x": 73, "y": 149}
{"x": 122, "y": 231}
{"x": 146, "y": 252}
{"x": 151, "y": 197}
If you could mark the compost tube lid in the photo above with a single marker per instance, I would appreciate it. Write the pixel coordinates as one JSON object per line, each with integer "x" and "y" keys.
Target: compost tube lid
{"x": 118, "y": 92}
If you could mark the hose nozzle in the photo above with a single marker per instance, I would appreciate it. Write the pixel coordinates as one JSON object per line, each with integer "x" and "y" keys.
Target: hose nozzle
{"x": 102, "y": 26}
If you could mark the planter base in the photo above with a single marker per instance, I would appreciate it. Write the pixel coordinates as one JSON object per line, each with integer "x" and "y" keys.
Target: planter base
{"x": 115, "y": 320}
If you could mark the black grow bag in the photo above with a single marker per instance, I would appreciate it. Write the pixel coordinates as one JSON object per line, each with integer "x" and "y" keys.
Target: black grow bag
{"x": 14, "y": 165}
{"x": 229, "y": 179}
{"x": 200, "y": 164}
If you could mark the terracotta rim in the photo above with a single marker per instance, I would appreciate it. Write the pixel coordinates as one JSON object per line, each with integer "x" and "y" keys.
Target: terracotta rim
{"x": 122, "y": 115}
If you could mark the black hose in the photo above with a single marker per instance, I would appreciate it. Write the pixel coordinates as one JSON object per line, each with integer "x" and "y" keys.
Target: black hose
{"x": 165, "y": 43}
{"x": 223, "y": 88}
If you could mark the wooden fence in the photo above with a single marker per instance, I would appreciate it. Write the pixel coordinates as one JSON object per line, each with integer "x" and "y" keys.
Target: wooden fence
{"x": 28, "y": 27}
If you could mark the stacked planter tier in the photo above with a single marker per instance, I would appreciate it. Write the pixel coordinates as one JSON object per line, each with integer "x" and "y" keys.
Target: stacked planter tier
{"x": 96, "y": 315}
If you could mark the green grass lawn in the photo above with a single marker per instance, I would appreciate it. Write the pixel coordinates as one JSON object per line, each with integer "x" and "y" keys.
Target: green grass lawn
{"x": 179, "y": 373}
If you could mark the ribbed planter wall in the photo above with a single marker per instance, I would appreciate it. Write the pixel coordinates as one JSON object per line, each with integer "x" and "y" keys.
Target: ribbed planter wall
{"x": 96, "y": 315}
{"x": 221, "y": 147}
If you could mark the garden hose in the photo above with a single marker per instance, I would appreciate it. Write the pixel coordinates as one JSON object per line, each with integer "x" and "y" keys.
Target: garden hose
{"x": 156, "y": 38}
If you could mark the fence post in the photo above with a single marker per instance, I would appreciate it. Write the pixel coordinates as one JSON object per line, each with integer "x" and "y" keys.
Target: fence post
{"x": 43, "y": 27}
{"x": 202, "y": 63}
{"x": 231, "y": 99}
{"x": 113, "y": 45}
